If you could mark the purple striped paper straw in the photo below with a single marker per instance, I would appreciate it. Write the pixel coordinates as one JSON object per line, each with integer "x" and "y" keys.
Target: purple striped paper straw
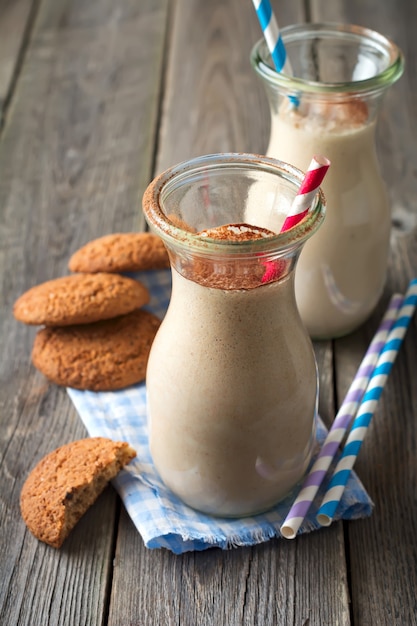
{"x": 367, "y": 408}
{"x": 273, "y": 38}
{"x": 314, "y": 478}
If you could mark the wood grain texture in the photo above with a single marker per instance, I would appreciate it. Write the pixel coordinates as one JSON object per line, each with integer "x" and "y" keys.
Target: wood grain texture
{"x": 274, "y": 583}
{"x": 15, "y": 25}
{"x": 214, "y": 103}
{"x": 383, "y": 549}
{"x": 76, "y": 153}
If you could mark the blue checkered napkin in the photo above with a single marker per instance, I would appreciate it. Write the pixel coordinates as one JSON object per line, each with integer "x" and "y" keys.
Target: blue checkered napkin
{"x": 160, "y": 517}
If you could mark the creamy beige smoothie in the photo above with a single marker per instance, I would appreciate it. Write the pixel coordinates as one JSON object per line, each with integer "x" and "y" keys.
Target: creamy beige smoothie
{"x": 231, "y": 378}
{"x": 233, "y": 397}
{"x": 341, "y": 270}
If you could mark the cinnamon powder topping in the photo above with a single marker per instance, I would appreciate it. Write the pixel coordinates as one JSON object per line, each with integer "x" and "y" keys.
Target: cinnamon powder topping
{"x": 236, "y": 232}
{"x": 230, "y": 271}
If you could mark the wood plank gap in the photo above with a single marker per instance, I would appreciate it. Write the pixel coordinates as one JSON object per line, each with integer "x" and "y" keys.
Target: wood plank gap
{"x": 348, "y": 569}
{"x": 27, "y": 35}
{"x": 170, "y": 17}
{"x": 307, "y": 10}
{"x": 336, "y": 400}
{"x": 246, "y": 593}
{"x": 110, "y": 575}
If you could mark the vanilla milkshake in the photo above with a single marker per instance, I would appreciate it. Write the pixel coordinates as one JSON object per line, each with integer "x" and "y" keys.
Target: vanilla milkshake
{"x": 231, "y": 378}
{"x": 232, "y": 400}
{"x": 329, "y": 106}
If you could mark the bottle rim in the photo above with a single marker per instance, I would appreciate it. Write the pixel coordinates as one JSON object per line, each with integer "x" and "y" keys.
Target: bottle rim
{"x": 261, "y": 59}
{"x": 175, "y": 236}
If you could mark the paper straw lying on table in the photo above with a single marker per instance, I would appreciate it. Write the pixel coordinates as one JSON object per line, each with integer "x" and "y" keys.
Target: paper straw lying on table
{"x": 367, "y": 408}
{"x": 341, "y": 423}
{"x": 273, "y": 39}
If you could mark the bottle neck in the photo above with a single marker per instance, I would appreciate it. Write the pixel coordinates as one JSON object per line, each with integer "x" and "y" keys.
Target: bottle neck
{"x": 331, "y": 61}
{"x": 214, "y": 191}
{"x": 231, "y": 272}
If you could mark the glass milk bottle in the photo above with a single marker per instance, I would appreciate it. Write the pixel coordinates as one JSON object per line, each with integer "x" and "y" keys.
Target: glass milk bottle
{"x": 330, "y": 107}
{"x": 231, "y": 378}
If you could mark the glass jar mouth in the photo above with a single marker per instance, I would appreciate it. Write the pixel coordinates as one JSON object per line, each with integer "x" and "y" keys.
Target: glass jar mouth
{"x": 385, "y": 51}
{"x": 177, "y": 236}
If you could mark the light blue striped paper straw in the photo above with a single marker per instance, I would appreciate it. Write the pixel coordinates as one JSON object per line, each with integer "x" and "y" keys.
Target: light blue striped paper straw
{"x": 272, "y": 36}
{"x": 367, "y": 408}
{"x": 342, "y": 421}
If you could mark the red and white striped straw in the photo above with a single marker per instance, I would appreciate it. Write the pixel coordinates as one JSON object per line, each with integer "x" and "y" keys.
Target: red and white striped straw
{"x": 308, "y": 189}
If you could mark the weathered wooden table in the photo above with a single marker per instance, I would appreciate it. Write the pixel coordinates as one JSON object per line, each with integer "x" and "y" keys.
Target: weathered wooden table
{"x": 96, "y": 97}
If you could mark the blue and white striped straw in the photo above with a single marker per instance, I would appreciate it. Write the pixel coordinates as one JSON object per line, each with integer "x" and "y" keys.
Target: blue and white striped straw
{"x": 272, "y": 36}
{"x": 342, "y": 421}
{"x": 367, "y": 408}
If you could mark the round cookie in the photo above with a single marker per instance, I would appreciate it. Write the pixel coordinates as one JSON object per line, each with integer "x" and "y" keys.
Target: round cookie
{"x": 66, "y": 482}
{"x": 103, "y": 356}
{"x": 121, "y": 252}
{"x": 80, "y": 299}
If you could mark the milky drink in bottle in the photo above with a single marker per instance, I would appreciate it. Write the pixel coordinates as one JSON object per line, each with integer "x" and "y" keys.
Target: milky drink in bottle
{"x": 330, "y": 107}
{"x": 231, "y": 379}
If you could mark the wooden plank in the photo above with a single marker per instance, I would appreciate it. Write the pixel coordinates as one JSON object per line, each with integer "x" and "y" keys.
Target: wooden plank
{"x": 297, "y": 582}
{"x": 75, "y": 156}
{"x": 383, "y": 549}
{"x": 213, "y": 102}
{"x": 14, "y": 25}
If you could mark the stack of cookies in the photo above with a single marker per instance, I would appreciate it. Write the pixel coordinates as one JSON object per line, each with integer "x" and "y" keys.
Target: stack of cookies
{"x": 95, "y": 334}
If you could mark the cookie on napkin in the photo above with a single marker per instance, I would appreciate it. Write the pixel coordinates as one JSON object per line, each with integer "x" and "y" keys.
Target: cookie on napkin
{"x": 66, "y": 482}
{"x": 121, "y": 252}
{"x": 80, "y": 299}
{"x": 104, "y": 356}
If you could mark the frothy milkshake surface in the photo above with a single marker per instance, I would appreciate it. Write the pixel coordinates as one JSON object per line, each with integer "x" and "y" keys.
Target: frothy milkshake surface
{"x": 233, "y": 395}
{"x": 341, "y": 270}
